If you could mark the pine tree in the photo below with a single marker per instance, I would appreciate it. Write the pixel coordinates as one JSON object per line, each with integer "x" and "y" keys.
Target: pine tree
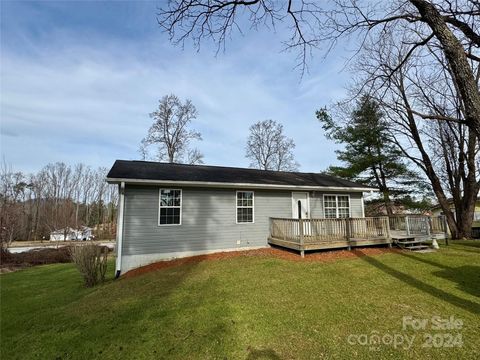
{"x": 369, "y": 157}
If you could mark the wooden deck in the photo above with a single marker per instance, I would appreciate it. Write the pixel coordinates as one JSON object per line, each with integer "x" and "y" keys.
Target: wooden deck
{"x": 316, "y": 234}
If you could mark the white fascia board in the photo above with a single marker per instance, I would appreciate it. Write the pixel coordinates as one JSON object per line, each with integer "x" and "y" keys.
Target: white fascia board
{"x": 213, "y": 184}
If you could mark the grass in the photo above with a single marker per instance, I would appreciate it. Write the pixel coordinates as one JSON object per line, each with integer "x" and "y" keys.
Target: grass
{"x": 245, "y": 308}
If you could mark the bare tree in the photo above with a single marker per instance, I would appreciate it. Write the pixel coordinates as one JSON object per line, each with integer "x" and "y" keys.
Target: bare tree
{"x": 453, "y": 24}
{"x": 455, "y": 152}
{"x": 59, "y": 196}
{"x": 12, "y": 195}
{"x": 269, "y": 149}
{"x": 427, "y": 120}
{"x": 170, "y": 134}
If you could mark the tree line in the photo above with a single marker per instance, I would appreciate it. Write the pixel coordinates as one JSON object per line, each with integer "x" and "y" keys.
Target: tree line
{"x": 59, "y": 196}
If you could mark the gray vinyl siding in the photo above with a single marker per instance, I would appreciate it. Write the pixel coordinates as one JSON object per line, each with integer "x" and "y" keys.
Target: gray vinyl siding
{"x": 208, "y": 219}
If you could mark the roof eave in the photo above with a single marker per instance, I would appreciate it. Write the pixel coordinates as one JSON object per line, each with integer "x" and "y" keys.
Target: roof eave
{"x": 213, "y": 184}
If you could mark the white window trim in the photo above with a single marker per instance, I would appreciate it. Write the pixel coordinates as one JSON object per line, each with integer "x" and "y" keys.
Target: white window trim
{"x": 179, "y": 207}
{"x": 253, "y": 207}
{"x": 336, "y": 205}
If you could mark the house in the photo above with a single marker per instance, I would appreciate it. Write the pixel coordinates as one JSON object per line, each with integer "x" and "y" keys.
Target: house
{"x": 378, "y": 208}
{"x": 85, "y": 233}
{"x": 65, "y": 234}
{"x": 437, "y": 211}
{"x": 173, "y": 210}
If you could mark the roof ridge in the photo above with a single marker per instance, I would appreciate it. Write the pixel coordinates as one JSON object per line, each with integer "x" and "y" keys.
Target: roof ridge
{"x": 156, "y": 170}
{"x": 226, "y": 167}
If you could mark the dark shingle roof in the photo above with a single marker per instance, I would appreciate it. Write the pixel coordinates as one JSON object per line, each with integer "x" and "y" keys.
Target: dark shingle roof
{"x": 157, "y": 171}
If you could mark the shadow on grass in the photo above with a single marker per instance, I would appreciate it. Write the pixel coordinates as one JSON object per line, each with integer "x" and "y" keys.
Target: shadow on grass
{"x": 423, "y": 260}
{"x": 469, "y": 250}
{"x": 467, "y": 278}
{"x": 471, "y": 243}
{"x": 161, "y": 314}
{"x": 454, "y": 300}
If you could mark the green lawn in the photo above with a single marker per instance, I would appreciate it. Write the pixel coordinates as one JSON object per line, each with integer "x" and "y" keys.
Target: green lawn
{"x": 247, "y": 308}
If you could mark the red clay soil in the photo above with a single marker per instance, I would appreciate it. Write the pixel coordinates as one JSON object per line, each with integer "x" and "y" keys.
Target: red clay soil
{"x": 321, "y": 256}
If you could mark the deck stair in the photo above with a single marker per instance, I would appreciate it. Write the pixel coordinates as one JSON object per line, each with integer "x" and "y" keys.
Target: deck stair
{"x": 413, "y": 244}
{"x": 416, "y": 232}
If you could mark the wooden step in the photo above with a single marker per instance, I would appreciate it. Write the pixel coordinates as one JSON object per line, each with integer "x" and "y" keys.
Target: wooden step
{"x": 415, "y": 241}
{"x": 412, "y": 245}
{"x": 417, "y": 247}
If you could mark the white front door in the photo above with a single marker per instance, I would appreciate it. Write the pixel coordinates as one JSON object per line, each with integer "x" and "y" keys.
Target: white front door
{"x": 300, "y": 205}
{"x": 301, "y": 210}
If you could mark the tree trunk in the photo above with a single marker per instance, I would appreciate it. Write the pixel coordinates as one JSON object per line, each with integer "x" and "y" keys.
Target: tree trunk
{"x": 462, "y": 72}
{"x": 465, "y": 226}
{"x": 388, "y": 203}
{"x": 458, "y": 226}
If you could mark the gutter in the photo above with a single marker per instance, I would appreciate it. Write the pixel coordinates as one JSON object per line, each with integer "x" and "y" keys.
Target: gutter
{"x": 213, "y": 184}
{"x": 121, "y": 206}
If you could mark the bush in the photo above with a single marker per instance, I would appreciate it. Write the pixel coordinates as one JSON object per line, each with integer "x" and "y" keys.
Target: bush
{"x": 5, "y": 256}
{"x": 35, "y": 257}
{"x": 91, "y": 261}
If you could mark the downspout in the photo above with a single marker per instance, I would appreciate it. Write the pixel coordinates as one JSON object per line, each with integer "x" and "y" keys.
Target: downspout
{"x": 121, "y": 202}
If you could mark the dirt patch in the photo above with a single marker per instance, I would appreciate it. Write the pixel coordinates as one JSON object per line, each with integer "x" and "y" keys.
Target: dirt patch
{"x": 317, "y": 256}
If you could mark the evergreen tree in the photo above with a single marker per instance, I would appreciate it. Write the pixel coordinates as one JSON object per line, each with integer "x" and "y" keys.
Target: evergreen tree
{"x": 369, "y": 157}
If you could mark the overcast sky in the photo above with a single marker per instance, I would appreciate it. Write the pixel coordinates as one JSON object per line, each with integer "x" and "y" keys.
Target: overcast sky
{"x": 78, "y": 80}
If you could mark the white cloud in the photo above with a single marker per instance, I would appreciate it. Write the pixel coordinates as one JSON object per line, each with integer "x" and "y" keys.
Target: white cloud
{"x": 88, "y": 101}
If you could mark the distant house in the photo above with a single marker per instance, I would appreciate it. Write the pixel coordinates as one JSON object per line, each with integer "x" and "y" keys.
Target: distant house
{"x": 86, "y": 233}
{"x": 437, "y": 210}
{"x": 378, "y": 208}
{"x": 173, "y": 210}
{"x": 63, "y": 234}
{"x": 66, "y": 234}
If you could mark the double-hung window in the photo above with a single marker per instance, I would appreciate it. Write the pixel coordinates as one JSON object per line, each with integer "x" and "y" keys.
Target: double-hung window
{"x": 170, "y": 207}
{"x": 336, "y": 206}
{"x": 245, "y": 207}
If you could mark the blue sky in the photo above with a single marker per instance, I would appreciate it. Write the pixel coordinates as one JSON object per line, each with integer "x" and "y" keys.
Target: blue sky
{"x": 78, "y": 80}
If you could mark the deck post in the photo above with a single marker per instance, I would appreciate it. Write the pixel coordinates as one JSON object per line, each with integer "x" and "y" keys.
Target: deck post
{"x": 407, "y": 225}
{"x": 348, "y": 231}
{"x": 445, "y": 228}
{"x": 429, "y": 226}
{"x": 386, "y": 223}
{"x": 271, "y": 227}
{"x": 302, "y": 238}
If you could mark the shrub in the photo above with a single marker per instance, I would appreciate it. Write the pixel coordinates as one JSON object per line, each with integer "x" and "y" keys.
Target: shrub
{"x": 35, "y": 257}
{"x": 91, "y": 261}
{"x": 5, "y": 256}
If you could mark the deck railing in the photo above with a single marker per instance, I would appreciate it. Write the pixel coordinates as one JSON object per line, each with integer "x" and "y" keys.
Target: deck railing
{"x": 418, "y": 224}
{"x": 305, "y": 231}
{"x": 438, "y": 224}
{"x": 318, "y": 231}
